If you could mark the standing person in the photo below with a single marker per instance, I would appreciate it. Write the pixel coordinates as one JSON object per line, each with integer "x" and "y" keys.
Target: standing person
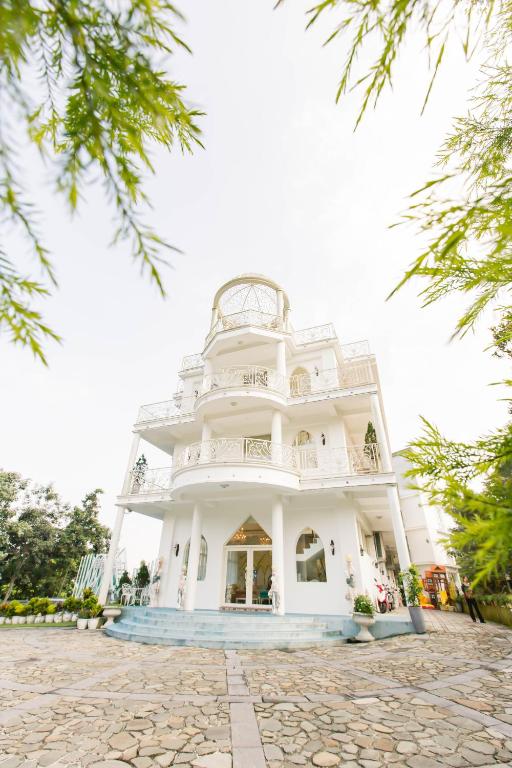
{"x": 470, "y": 600}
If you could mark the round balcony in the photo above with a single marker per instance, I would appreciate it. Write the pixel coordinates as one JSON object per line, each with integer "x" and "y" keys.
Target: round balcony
{"x": 244, "y": 386}
{"x": 248, "y": 306}
{"x": 220, "y": 465}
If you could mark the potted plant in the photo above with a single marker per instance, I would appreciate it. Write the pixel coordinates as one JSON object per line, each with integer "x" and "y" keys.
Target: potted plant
{"x": 413, "y": 589}
{"x": 31, "y": 610}
{"x": 83, "y": 617}
{"x": 363, "y": 617}
{"x": 10, "y": 610}
{"x": 21, "y": 612}
{"x": 16, "y": 615}
{"x": 50, "y": 613}
{"x": 92, "y": 608}
{"x": 71, "y": 607}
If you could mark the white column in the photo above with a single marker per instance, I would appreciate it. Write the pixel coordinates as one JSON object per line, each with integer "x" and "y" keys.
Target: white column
{"x": 402, "y": 549}
{"x": 109, "y": 562}
{"x": 131, "y": 461}
{"x": 378, "y": 423}
{"x": 350, "y": 547}
{"x": 165, "y": 554}
{"x": 278, "y": 550}
{"x": 193, "y": 558}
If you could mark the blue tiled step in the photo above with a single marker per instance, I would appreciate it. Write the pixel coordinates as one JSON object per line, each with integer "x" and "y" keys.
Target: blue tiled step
{"x": 221, "y": 630}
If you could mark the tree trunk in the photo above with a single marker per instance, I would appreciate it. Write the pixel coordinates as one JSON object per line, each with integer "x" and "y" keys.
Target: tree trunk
{"x": 10, "y": 588}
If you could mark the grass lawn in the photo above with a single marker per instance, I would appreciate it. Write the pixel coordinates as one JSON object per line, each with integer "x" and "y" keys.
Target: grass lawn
{"x": 62, "y": 624}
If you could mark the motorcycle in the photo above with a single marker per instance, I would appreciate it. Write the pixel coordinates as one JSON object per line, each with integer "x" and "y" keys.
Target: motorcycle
{"x": 382, "y": 597}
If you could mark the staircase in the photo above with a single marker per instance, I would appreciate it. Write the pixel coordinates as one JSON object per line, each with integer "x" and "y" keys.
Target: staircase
{"x": 213, "y": 629}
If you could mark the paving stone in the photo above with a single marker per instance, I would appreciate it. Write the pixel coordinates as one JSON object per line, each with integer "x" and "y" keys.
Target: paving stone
{"x": 325, "y": 759}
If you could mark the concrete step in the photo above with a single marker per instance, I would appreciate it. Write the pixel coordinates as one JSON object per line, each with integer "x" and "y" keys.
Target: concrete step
{"x": 201, "y": 631}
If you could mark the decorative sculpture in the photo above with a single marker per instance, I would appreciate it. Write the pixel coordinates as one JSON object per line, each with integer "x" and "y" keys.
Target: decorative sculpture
{"x": 350, "y": 579}
{"x": 182, "y": 584}
{"x": 273, "y": 592}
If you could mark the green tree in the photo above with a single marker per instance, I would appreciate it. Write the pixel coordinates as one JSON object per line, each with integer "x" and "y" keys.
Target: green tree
{"x": 84, "y": 82}
{"x": 370, "y": 440}
{"x": 142, "y": 578}
{"x": 464, "y": 218}
{"x": 44, "y": 539}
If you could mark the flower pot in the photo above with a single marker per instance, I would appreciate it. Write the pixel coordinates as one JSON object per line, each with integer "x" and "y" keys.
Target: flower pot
{"x": 31, "y": 619}
{"x": 49, "y": 618}
{"x": 2, "y": 619}
{"x": 8, "y": 620}
{"x": 81, "y": 623}
{"x": 22, "y": 619}
{"x": 93, "y": 623}
{"x": 363, "y": 621}
{"x": 67, "y": 616}
{"x": 39, "y": 619}
{"x": 57, "y": 618}
{"x": 74, "y": 616}
{"x": 14, "y": 619}
{"x": 111, "y": 614}
{"x": 417, "y": 618}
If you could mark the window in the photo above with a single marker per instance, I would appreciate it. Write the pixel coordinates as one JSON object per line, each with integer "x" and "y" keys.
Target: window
{"x": 310, "y": 557}
{"x": 203, "y": 557}
{"x": 378, "y": 545}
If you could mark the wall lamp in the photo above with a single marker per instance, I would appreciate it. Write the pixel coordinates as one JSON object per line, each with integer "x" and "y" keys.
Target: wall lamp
{"x": 332, "y": 547}
{"x": 176, "y": 549}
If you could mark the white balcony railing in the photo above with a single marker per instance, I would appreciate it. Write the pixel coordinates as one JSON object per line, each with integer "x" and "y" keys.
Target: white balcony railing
{"x": 355, "y": 349}
{"x": 355, "y": 374}
{"x": 167, "y": 409}
{"x": 192, "y": 361}
{"x": 244, "y": 318}
{"x": 237, "y": 450}
{"x": 317, "y": 333}
{"x": 150, "y": 480}
{"x": 307, "y": 461}
{"x": 245, "y": 376}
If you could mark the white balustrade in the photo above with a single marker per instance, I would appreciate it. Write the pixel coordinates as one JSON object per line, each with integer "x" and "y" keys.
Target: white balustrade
{"x": 244, "y": 376}
{"x": 317, "y": 333}
{"x": 246, "y": 317}
{"x": 167, "y": 409}
{"x": 354, "y": 374}
{"x": 355, "y": 349}
{"x": 192, "y": 361}
{"x": 338, "y": 462}
{"x": 150, "y": 480}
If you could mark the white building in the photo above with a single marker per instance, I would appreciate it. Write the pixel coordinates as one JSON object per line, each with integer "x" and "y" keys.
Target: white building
{"x": 426, "y": 526}
{"x": 265, "y": 466}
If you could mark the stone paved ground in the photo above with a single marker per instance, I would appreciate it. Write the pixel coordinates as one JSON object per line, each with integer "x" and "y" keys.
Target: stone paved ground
{"x": 80, "y": 699}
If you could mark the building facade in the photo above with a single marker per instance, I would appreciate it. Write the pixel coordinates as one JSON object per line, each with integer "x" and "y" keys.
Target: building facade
{"x": 426, "y": 527}
{"x": 277, "y": 472}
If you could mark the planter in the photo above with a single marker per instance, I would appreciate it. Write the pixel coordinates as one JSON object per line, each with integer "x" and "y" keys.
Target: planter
{"x": 2, "y": 619}
{"x": 81, "y": 623}
{"x": 93, "y": 623}
{"x": 74, "y": 616}
{"x": 8, "y": 620}
{"x": 67, "y": 616}
{"x": 363, "y": 621}
{"x": 49, "y": 618}
{"x": 417, "y": 618}
{"x": 22, "y": 619}
{"x": 31, "y": 619}
{"x": 39, "y": 619}
{"x": 57, "y": 618}
{"x": 111, "y": 614}
{"x": 15, "y": 620}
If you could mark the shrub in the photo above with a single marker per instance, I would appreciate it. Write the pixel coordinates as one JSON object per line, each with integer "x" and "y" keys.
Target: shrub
{"x": 4, "y": 607}
{"x": 91, "y": 606}
{"x": 363, "y": 604}
{"x": 72, "y": 604}
{"x": 413, "y": 586}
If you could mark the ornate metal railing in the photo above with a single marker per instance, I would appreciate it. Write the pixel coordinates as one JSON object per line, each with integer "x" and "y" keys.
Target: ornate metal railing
{"x": 150, "y": 480}
{"x": 167, "y": 409}
{"x": 246, "y": 317}
{"x": 245, "y": 376}
{"x": 351, "y": 460}
{"x": 192, "y": 361}
{"x": 355, "y": 374}
{"x": 243, "y": 450}
{"x": 307, "y": 460}
{"x": 355, "y": 349}
{"x": 317, "y": 333}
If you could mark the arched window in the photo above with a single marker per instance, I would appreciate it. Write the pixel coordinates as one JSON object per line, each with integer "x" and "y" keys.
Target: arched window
{"x": 300, "y": 382}
{"x": 203, "y": 557}
{"x": 310, "y": 557}
{"x": 302, "y": 438}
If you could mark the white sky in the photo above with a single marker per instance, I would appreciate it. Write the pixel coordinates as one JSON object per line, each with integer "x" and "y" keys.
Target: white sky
{"x": 285, "y": 188}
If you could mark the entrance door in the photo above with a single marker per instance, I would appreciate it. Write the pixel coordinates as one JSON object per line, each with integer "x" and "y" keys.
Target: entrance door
{"x": 248, "y": 572}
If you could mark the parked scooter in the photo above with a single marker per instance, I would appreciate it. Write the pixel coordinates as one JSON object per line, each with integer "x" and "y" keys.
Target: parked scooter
{"x": 382, "y": 597}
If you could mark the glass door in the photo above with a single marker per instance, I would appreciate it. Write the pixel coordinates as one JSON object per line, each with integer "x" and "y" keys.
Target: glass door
{"x": 261, "y": 573}
{"x": 236, "y": 576}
